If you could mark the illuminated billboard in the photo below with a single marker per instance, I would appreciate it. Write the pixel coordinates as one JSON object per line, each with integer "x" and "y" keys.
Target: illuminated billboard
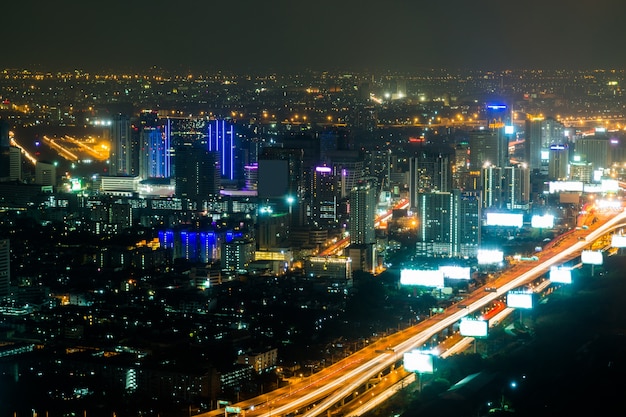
{"x": 618, "y": 241}
{"x": 418, "y": 361}
{"x": 542, "y": 222}
{"x": 473, "y": 328}
{"x": 519, "y": 299}
{"x": 562, "y": 275}
{"x": 591, "y": 257}
{"x": 455, "y": 272}
{"x": 558, "y": 186}
{"x": 489, "y": 256}
{"x": 424, "y": 277}
{"x": 505, "y": 219}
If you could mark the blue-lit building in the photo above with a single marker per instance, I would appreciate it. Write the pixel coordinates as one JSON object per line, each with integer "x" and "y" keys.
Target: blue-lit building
{"x": 155, "y": 155}
{"x": 221, "y": 138}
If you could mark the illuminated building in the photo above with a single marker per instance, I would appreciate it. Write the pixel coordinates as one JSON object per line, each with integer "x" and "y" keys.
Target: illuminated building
{"x": 5, "y": 268}
{"x": 448, "y": 224}
{"x": 122, "y": 156}
{"x": 237, "y": 254}
{"x": 594, "y": 150}
{"x": 155, "y": 158}
{"x": 339, "y": 268}
{"x": 15, "y": 164}
{"x": 516, "y": 187}
{"x": 488, "y": 146}
{"x": 363, "y": 199}
{"x": 5, "y": 151}
{"x": 45, "y": 173}
{"x": 491, "y": 186}
{"x": 221, "y": 139}
{"x": 201, "y": 246}
{"x": 197, "y": 174}
{"x": 540, "y": 134}
{"x": 558, "y": 165}
{"x": 429, "y": 170}
{"x": 323, "y": 196}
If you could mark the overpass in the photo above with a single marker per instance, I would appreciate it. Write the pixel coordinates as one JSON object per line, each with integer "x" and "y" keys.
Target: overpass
{"x": 318, "y": 393}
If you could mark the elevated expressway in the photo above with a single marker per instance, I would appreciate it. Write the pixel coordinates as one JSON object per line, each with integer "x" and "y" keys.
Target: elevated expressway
{"x": 319, "y": 393}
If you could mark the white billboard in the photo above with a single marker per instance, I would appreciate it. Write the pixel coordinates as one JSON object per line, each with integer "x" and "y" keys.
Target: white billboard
{"x": 545, "y": 221}
{"x": 558, "y": 186}
{"x": 489, "y": 256}
{"x": 456, "y": 272}
{"x": 473, "y": 328}
{"x": 418, "y": 361}
{"x": 591, "y": 257}
{"x": 505, "y": 219}
{"x": 618, "y": 241}
{"x": 519, "y": 299}
{"x": 562, "y": 275}
{"x": 425, "y": 277}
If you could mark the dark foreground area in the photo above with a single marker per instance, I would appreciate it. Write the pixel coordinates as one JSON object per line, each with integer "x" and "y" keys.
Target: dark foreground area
{"x": 571, "y": 361}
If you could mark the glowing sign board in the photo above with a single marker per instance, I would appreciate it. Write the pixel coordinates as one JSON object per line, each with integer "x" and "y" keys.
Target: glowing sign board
{"x": 473, "y": 328}
{"x": 505, "y": 219}
{"x": 562, "y": 275}
{"x": 455, "y": 272}
{"x": 419, "y": 361}
{"x": 618, "y": 241}
{"x": 425, "y": 277}
{"x": 517, "y": 299}
{"x": 591, "y": 257}
{"x": 489, "y": 256}
{"x": 543, "y": 222}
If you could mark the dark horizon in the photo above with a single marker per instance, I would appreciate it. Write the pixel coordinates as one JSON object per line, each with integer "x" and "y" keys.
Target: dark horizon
{"x": 324, "y": 35}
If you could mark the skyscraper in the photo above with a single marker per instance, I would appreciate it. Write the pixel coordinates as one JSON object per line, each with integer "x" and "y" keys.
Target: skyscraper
{"x": 221, "y": 139}
{"x": 155, "y": 156}
{"x": 488, "y": 146}
{"x": 448, "y": 224}
{"x": 121, "y": 154}
{"x": 4, "y": 150}
{"x": 197, "y": 173}
{"x": 430, "y": 170}
{"x": 363, "y": 198}
{"x": 516, "y": 187}
{"x": 323, "y": 202}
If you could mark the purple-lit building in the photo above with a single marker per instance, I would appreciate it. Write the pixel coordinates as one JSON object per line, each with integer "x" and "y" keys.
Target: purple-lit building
{"x": 323, "y": 203}
{"x": 221, "y": 139}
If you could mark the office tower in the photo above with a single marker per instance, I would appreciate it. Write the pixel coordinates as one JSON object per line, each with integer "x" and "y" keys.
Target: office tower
{"x": 5, "y": 268}
{"x": 155, "y": 156}
{"x": 448, "y": 224}
{"x": 540, "y": 134}
{"x": 251, "y": 177}
{"x": 122, "y": 152}
{"x": 363, "y": 200}
{"x": 558, "y": 165}
{"x": 15, "y": 164}
{"x": 45, "y": 173}
{"x": 488, "y": 146}
{"x": 222, "y": 139}
{"x": 594, "y": 150}
{"x": 197, "y": 175}
{"x": 349, "y": 166}
{"x": 491, "y": 186}
{"x": 430, "y": 170}
{"x": 323, "y": 201}
{"x": 516, "y": 187}
{"x": 460, "y": 166}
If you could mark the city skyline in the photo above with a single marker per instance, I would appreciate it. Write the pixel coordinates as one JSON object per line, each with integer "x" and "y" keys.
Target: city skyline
{"x": 324, "y": 35}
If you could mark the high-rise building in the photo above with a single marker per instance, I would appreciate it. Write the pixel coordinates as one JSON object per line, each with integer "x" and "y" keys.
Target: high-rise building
{"x": 323, "y": 203}
{"x": 558, "y": 165}
{"x": 222, "y": 139}
{"x": 155, "y": 156}
{"x": 488, "y": 146}
{"x": 491, "y": 186}
{"x": 15, "y": 164}
{"x": 363, "y": 200}
{"x": 5, "y": 268}
{"x": 540, "y": 134}
{"x": 197, "y": 174}
{"x": 594, "y": 149}
{"x": 516, "y": 187}
{"x": 430, "y": 170}
{"x": 5, "y": 152}
{"x": 122, "y": 155}
{"x": 448, "y": 224}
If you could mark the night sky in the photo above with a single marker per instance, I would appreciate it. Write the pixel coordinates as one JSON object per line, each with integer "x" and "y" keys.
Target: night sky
{"x": 252, "y": 35}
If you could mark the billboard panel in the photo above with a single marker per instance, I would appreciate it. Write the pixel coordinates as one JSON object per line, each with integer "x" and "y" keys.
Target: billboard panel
{"x": 518, "y": 299}
{"x": 473, "y": 328}
{"x": 419, "y": 361}
{"x": 489, "y": 256}
{"x": 591, "y": 257}
{"x": 456, "y": 272}
{"x": 561, "y": 274}
{"x": 543, "y": 222}
{"x": 618, "y": 241}
{"x": 425, "y": 277}
{"x": 505, "y": 219}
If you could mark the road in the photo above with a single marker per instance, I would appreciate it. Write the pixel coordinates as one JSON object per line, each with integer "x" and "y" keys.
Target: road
{"x": 341, "y": 380}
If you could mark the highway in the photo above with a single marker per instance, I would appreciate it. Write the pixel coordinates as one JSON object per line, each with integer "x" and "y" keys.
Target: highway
{"x": 316, "y": 394}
